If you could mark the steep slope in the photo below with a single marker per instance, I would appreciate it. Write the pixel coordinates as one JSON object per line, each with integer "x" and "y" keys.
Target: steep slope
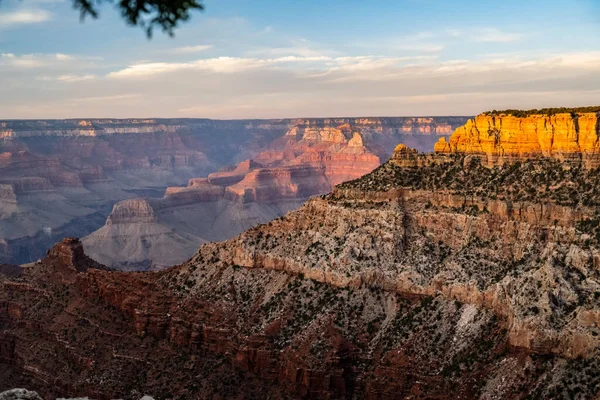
{"x": 434, "y": 276}
{"x": 133, "y": 238}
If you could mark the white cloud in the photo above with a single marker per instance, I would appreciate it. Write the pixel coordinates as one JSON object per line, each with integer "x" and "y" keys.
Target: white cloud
{"x": 191, "y": 49}
{"x": 492, "y": 35}
{"x": 219, "y": 64}
{"x": 63, "y": 57}
{"x": 110, "y": 98}
{"x": 23, "y": 17}
{"x": 51, "y": 60}
{"x": 236, "y": 64}
{"x": 287, "y": 86}
{"x": 302, "y": 51}
{"x": 488, "y": 35}
{"x": 422, "y": 48}
{"x": 74, "y": 78}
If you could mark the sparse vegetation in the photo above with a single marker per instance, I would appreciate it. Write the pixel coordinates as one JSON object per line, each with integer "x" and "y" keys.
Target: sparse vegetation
{"x": 536, "y": 180}
{"x": 544, "y": 111}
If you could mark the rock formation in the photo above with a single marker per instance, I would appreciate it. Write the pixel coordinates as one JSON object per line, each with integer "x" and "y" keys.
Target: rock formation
{"x": 305, "y": 162}
{"x": 433, "y": 276}
{"x": 132, "y": 211}
{"x": 504, "y": 137}
{"x": 62, "y": 178}
{"x": 19, "y": 394}
{"x": 271, "y": 185}
{"x": 134, "y": 238}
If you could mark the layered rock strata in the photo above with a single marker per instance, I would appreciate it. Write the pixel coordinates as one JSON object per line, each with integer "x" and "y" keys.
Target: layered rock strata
{"x": 307, "y": 161}
{"x": 432, "y": 277}
{"x": 502, "y": 138}
{"x": 68, "y": 174}
{"x": 134, "y": 238}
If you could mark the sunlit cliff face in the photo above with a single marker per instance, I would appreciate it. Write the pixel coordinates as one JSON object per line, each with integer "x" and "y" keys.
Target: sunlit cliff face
{"x": 500, "y": 138}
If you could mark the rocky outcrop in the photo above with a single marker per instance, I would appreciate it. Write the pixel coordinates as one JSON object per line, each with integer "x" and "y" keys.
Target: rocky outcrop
{"x": 132, "y": 211}
{"x": 68, "y": 257}
{"x": 500, "y": 138}
{"x": 402, "y": 125}
{"x": 199, "y": 190}
{"x": 340, "y": 150}
{"x": 8, "y": 200}
{"x": 30, "y": 184}
{"x": 19, "y": 394}
{"x": 276, "y": 184}
{"x": 65, "y": 179}
{"x": 232, "y": 176}
{"x": 404, "y": 156}
{"x": 133, "y": 238}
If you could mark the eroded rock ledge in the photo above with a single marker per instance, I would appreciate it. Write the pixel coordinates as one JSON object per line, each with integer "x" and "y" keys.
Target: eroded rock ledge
{"x": 501, "y": 138}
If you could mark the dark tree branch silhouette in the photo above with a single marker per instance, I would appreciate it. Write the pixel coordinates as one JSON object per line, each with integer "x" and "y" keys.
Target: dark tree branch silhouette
{"x": 148, "y": 14}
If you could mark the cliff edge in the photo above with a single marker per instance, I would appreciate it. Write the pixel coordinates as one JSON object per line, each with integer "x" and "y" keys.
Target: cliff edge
{"x": 501, "y": 137}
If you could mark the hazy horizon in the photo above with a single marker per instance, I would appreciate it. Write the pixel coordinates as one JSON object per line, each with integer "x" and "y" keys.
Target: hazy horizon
{"x": 239, "y": 119}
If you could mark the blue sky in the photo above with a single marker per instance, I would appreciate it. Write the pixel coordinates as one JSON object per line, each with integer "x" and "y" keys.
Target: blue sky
{"x": 285, "y": 58}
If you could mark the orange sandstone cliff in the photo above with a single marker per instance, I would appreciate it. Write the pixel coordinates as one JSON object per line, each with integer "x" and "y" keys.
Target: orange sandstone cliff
{"x": 500, "y": 138}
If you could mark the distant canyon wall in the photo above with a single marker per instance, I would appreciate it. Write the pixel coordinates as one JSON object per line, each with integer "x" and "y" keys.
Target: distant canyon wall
{"x": 62, "y": 177}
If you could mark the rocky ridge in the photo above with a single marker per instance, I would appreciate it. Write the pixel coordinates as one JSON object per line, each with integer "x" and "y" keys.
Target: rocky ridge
{"x": 435, "y": 275}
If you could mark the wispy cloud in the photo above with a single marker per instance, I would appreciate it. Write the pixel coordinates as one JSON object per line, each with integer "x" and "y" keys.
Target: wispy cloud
{"x": 236, "y": 64}
{"x": 422, "y": 48}
{"x": 273, "y": 85}
{"x": 23, "y": 17}
{"x": 301, "y": 51}
{"x": 367, "y": 67}
{"x": 69, "y": 78}
{"x": 492, "y": 35}
{"x": 52, "y": 60}
{"x": 191, "y": 49}
{"x": 103, "y": 99}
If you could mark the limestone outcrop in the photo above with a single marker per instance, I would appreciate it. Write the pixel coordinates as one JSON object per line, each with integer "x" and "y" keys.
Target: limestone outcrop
{"x": 29, "y": 184}
{"x": 8, "y": 200}
{"x": 276, "y": 184}
{"x": 134, "y": 238}
{"x": 199, "y": 190}
{"x": 132, "y": 211}
{"x": 501, "y": 138}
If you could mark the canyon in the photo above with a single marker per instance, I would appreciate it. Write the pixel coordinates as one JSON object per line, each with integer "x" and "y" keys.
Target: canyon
{"x": 61, "y": 178}
{"x": 470, "y": 272}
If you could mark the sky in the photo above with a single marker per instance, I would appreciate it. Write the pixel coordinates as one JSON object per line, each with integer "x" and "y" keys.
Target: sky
{"x": 301, "y": 58}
